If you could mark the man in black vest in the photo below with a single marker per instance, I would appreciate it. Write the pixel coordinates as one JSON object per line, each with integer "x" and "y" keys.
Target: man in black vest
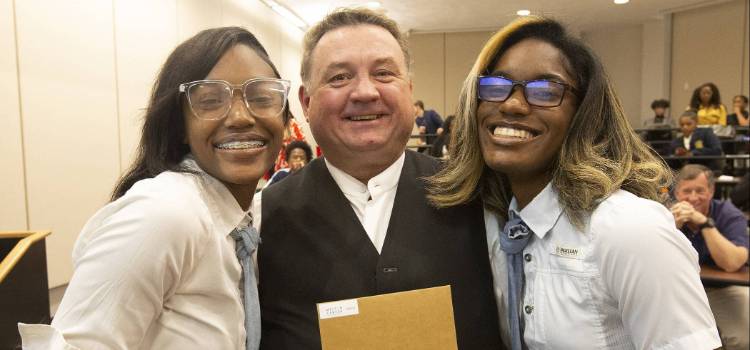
{"x": 357, "y": 223}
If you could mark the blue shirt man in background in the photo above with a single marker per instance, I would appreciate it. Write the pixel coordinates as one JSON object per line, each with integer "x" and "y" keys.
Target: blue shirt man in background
{"x": 428, "y": 121}
{"x": 718, "y": 232}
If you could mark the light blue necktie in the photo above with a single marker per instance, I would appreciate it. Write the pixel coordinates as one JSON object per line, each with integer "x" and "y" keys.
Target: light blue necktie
{"x": 513, "y": 239}
{"x": 246, "y": 241}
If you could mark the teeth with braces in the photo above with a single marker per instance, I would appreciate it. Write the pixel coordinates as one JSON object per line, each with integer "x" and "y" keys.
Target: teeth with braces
{"x": 510, "y": 132}
{"x": 241, "y": 145}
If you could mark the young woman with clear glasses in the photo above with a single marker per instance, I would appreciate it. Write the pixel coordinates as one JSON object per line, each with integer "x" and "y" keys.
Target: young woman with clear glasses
{"x": 583, "y": 254}
{"x": 167, "y": 263}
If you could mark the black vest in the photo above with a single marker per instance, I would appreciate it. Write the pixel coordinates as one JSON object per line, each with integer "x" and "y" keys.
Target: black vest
{"x": 315, "y": 250}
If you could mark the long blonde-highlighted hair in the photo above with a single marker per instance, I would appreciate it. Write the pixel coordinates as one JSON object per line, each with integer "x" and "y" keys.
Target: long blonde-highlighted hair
{"x": 600, "y": 153}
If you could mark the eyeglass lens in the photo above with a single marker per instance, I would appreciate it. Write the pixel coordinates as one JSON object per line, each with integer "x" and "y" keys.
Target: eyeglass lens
{"x": 542, "y": 93}
{"x": 212, "y": 100}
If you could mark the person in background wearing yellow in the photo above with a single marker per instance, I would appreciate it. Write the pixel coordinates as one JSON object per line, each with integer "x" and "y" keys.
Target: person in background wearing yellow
{"x": 707, "y": 101}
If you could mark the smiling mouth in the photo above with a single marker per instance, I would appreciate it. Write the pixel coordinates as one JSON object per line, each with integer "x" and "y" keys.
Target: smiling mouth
{"x": 507, "y": 132}
{"x": 357, "y": 118}
{"x": 241, "y": 145}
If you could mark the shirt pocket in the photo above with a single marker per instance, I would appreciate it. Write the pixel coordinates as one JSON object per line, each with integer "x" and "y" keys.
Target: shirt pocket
{"x": 564, "y": 313}
{"x": 564, "y": 310}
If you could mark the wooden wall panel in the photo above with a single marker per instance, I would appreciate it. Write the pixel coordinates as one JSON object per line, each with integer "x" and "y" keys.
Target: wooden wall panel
{"x": 461, "y": 50}
{"x": 707, "y": 47}
{"x": 428, "y": 69}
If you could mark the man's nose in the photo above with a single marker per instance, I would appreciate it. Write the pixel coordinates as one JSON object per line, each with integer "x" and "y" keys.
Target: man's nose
{"x": 364, "y": 90}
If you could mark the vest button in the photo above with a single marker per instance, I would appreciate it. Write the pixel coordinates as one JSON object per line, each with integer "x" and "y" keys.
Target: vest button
{"x": 528, "y": 309}
{"x": 527, "y": 257}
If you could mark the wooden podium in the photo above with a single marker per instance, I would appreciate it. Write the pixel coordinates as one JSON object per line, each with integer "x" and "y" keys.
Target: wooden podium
{"x": 24, "y": 291}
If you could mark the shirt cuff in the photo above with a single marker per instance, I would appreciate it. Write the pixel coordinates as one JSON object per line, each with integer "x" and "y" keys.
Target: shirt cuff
{"x": 705, "y": 339}
{"x": 42, "y": 337}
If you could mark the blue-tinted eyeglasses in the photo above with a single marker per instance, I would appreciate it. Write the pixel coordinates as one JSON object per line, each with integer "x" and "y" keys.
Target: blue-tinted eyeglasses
{"x": 540, "y": 93}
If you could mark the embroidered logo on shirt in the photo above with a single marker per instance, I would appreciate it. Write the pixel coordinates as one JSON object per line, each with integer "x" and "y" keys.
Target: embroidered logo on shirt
{"x": 698, "y": 144}
{"x": 568, "y": 252}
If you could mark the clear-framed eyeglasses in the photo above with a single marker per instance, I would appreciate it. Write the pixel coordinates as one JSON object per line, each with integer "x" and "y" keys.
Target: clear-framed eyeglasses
{"x": 212, "y": 99}
{"x": 540, "y": 93}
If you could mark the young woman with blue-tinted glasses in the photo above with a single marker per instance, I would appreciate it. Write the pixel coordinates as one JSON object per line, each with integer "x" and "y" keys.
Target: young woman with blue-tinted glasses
{"x": 583, "y": 254}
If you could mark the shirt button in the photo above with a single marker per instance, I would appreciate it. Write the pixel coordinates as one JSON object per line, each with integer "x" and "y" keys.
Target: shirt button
{"x": 527, "y": 257}
{"x": 528, "y": 309}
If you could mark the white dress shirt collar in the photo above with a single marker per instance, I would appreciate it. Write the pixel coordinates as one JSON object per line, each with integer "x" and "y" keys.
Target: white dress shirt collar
{"x": 541, "y": 213}
{"x": 686, "y": 141}
{"x": 372, "y": 203}
{"x": 227, "y": 213}
{"x": 378, "y": 184}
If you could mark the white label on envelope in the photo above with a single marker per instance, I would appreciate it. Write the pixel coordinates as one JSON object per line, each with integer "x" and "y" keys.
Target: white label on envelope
{"x": 338, "y": 309}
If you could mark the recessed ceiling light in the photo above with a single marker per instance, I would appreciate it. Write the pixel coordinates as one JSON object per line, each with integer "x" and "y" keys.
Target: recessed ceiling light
{"x": 523, "y": 12}
{"x": 620, "y": 2}
{"x": 374, "y": 5}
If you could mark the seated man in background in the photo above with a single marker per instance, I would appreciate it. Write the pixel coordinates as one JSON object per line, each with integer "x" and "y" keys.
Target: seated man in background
{"x": 428, "y": 121}
{"x": 659, "y": 127}
{"x": 660, "y": 119}
{"x": 696, "y": 141}
{"x": 718, "y": 231}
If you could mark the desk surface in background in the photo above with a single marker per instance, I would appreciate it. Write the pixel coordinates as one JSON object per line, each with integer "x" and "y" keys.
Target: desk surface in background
{"x": 715, "y": 275}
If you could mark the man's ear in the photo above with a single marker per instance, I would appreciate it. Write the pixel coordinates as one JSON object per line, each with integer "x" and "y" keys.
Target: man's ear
{"x": 304, "y": 100}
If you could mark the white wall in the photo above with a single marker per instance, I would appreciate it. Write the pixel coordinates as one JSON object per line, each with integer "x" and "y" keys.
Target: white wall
{"x": 83, "y": 76}
{"x": 12, "y": 184}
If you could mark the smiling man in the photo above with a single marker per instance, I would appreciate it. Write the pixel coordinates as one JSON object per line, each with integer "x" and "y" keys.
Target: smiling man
{"x": 718, "y": 232}
{"x": 360, "y": 223}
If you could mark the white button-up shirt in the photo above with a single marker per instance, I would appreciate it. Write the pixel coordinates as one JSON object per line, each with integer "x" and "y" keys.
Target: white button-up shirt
{"x": 686, "y": 141}
{"x": 155, "y": 269}
{"x": 373, "y": 203}
{"x": 628, "y": 280}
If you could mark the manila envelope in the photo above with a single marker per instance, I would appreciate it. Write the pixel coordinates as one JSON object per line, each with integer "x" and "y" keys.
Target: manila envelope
{"x": 415, "y": 319}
